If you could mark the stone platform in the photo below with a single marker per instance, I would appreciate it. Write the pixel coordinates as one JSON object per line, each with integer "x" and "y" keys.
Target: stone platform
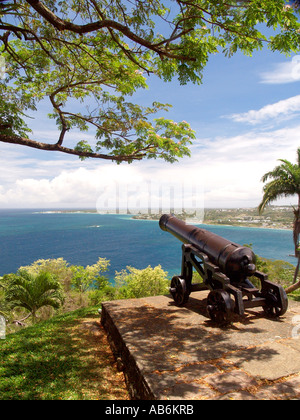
{"x": 175, "y": 353}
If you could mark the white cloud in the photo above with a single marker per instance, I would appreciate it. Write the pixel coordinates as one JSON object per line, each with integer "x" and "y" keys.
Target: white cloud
{"x": 286, "y": 108}
{"x": 228, "y": 170}
{"x": 283, "y": 73}
{"x": 71, "y": 187}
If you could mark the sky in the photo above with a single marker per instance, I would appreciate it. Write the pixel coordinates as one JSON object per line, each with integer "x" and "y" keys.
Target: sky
{"x": 246, "y": 117}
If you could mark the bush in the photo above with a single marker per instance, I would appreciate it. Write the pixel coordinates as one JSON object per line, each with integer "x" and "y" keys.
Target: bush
{"x": 96, "y": 297}
{"x": 85, "y": 278}
{"x": 58, "y": 267}
{"x": 135, "y": 283}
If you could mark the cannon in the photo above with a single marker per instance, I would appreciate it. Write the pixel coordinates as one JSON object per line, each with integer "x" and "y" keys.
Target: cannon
{"x": 225, "y": 268}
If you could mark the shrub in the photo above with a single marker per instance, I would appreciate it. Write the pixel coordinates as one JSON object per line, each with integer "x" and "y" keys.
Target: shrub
{"x": 96, "y": 297}
{"x": 135, "y": 283}
{"x": 57, "y": 267}
{"x": 85, "y": 278}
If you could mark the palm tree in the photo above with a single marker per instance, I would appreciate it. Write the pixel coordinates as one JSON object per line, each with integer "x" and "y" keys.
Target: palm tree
{"x": 285, "y": 182}
{"x": 32, "y": 292}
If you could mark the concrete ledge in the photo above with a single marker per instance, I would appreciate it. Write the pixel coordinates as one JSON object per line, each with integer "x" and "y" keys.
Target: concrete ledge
{"x": 168, "y": 352}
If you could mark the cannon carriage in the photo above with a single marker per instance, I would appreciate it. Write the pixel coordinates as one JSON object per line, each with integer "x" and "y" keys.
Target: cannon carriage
{"x": 225, "y": 268}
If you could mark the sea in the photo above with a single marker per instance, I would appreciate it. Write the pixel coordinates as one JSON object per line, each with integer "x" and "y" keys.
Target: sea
{"x": 81, "y": 238}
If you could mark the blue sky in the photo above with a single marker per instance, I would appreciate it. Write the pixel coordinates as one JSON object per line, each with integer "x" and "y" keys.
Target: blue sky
{"x": 246, "y": 117}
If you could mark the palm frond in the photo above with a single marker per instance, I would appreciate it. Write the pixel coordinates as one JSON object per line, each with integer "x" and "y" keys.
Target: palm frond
{"x": 32, "y": 292}
{"x": 278, "y": 172}
{"x": 284, "y": 182}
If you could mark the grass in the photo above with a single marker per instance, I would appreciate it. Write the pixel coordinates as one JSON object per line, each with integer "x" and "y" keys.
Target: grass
{"x": 65, "y": 358}
{"x": 295, "y": 295}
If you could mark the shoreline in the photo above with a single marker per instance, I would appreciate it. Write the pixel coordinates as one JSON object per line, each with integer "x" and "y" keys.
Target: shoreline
{"x": 251, "y": 226}
{"x": 204, "y": 223}
{"x": 256, "y": 225}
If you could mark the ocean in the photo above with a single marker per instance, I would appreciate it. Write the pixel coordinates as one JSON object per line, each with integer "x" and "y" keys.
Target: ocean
{"x": 81, "y": 238}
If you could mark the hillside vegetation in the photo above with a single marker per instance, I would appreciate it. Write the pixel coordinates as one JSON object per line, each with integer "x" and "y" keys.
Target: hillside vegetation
{"x": 62, "y": 353}
{"x": 64, "y": 358}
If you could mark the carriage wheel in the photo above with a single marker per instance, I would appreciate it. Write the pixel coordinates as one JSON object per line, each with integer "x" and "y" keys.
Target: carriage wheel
{"x": 276, "y": 302}
{"x": 219, "y": 306}
{"x": 179, "y": 290}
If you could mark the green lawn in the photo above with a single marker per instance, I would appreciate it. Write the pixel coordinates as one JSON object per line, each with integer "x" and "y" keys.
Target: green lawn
{"x": 67, "y": 357}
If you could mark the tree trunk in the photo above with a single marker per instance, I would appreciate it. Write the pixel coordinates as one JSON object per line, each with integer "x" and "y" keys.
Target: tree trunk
{"x": 21, "y": 321}
{"x": 296, "y": 285}
{"x": 296, "y": 234}
{"x": 296, "y": 230}
{"x": 34, "y": 317}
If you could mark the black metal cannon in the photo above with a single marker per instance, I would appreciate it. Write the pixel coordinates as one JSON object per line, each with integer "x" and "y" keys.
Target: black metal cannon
{"x": 225, "y": 268}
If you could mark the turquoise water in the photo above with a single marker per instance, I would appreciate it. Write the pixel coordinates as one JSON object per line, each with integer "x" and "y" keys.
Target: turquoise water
{"x": 81, "y": 238}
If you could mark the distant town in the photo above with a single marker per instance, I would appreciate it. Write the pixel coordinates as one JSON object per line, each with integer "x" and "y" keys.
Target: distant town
{"x": 274, "y": 217}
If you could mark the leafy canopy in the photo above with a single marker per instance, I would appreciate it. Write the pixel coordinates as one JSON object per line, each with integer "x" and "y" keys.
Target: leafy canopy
{"x": 283, "y": 181}
{"x": 88, "y": 57}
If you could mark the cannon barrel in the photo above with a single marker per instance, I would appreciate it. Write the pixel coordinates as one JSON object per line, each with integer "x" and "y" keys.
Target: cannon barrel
{"x": 236, "y": 261}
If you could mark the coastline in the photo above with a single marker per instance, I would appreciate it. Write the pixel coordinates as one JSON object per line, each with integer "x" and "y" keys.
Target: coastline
{"x": 207, "y": 223}
{"x": 285, "y": 229}
{"x": 257, "y": 222}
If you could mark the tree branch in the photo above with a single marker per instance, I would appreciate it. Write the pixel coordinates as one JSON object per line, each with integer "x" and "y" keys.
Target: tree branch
{"x": 63, "y": 25}
{"x": 59, "y": 148}
{"x": 21, "y": 321}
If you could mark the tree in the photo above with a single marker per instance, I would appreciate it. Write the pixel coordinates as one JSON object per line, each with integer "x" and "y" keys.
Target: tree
{"x": 285, "y": 182}
{"x": 32, "y": 292}
{"x": 87, "y": 57}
